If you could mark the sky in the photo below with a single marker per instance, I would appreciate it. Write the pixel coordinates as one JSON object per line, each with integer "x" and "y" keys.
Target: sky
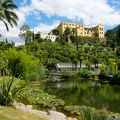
{"x": 44, "y": 15}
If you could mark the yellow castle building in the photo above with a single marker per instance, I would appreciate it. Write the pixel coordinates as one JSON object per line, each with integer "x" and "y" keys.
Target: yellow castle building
{"x": 81, "y": 30}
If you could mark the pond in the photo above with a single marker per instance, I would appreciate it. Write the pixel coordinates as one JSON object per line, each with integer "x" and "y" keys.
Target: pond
{"x": 80, "y": 92}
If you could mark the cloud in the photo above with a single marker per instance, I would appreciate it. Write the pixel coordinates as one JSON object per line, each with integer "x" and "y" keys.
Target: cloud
{"x": 22, "y": 13}
{"x": 46, "y": 28}
{"x": 89, "y": 11}
{"x": 11, "y": 35}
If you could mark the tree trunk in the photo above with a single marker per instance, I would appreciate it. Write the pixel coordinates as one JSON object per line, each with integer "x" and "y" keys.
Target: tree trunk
{"x": 80, "y": 64}
{"x": 76, "y": 66}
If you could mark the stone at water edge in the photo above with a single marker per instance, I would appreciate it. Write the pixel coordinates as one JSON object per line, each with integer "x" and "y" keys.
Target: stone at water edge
{"x": 57, "y": 116}
{"x": 29, "y": 106}
{"x": 71, "y": 118}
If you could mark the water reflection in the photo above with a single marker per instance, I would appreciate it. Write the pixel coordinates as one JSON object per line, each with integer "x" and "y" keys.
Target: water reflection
{"x": 77, "y": 92}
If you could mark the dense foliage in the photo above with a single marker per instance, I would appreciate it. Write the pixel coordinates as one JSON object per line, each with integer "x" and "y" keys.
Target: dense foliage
{"x": 35, "y": 58}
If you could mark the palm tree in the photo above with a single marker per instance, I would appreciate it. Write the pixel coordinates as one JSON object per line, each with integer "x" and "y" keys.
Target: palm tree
{"x": 7, "y": 15}
{"x": 80, "y": 56}
{"x": 26, "y": 34}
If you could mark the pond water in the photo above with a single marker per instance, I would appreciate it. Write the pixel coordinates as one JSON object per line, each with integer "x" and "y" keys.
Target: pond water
{"x": 80, "y": 92}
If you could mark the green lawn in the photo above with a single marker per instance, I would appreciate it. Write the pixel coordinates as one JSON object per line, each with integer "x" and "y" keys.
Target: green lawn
{"x": 8, "y": 113}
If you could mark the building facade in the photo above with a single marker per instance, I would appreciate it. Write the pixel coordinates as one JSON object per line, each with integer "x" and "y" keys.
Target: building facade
{"x": 80, "y": 30}
{"x": 40, "y": 35}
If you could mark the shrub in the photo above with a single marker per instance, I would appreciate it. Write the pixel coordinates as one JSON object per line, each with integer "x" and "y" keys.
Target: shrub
{"x": 36, "y": 74}
{"x": 86, "y": 113}
{"x": 116, "y": 79}
{"x": 92, "y": 114}
{"x": 34, "y": 95}
{"x": 66, "y": 73}
{"x": 32, "y": 76}
{"x": 45, "y": 100}
{"x": 103, "y": 75}
{"x": 21, "y": 64}
{"x": 73, "y": 110}
{"x": 84, "y": 73}
{"x": 103, "y": 72}
{"x": 9, "y": 89}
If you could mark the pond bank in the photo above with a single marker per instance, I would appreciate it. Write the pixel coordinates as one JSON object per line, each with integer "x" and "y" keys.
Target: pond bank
{"x": 50, "y": 115}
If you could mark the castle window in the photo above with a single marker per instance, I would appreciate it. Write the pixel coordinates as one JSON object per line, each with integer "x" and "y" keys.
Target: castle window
{"x": 101, "y": 29}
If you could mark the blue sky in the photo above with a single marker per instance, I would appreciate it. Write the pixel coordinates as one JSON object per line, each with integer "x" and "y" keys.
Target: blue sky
{"x": 44, "y": 15}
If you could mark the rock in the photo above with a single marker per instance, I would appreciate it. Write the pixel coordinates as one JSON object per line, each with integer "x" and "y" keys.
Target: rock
{"x": 71, "y": 118}
{"x": 75, "y": 119}
{"x": 51, "y": 115}
{"x": 29, "y": 106}
{"x": 56, "y": 116}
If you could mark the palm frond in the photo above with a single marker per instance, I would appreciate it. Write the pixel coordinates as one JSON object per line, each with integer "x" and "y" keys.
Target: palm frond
{"x": 6, "y": 13}
{"x": 5, "y": 24}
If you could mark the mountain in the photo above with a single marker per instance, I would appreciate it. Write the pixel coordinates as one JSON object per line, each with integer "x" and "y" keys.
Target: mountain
{"x": 116, "y": 29}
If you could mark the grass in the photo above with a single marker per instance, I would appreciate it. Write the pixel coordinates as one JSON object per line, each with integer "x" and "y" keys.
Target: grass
{"x": 9, "y": 113}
